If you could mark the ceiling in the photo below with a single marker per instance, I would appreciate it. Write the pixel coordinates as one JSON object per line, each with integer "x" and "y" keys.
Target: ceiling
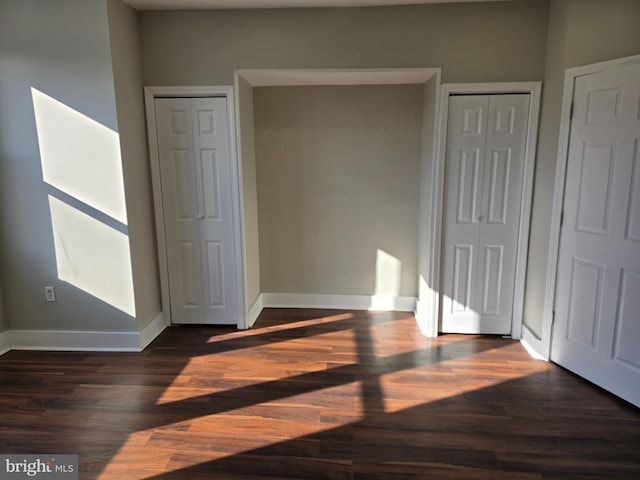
{"x": 222, "y": 4}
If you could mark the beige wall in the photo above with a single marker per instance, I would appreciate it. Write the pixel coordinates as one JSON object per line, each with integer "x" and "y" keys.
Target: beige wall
{"x": 471, "y": 42}
{"x": 63, "y": 50}
{"x": 599, "y": 30}
{"x": 338, "y": 172}
{"x": 84, "y": 56}
{"x": 127, "y": 76}
{"x": 493, "y": 41}
{"x": 580, "y": 32}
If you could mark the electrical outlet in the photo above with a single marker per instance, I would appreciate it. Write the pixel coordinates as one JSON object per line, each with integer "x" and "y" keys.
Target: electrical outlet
{"x": 50, "y": 294}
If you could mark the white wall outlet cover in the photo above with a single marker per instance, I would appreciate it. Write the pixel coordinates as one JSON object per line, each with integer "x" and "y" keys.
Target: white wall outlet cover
{"x": 50, "y": 294}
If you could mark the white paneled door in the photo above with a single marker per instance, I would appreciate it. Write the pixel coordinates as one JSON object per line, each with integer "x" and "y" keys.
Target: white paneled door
{"x": 195, "y": 171}
{"x": 486, "y": 143}
{"x": 597, "y": 318}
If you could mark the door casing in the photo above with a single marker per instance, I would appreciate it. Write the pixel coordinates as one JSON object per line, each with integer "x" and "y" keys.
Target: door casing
{"x": 534, "y": 91}
{"x": 150, "y": 94}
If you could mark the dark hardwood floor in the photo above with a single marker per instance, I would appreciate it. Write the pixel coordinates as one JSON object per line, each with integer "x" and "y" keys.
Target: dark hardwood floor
{"x": 316, "y": 394}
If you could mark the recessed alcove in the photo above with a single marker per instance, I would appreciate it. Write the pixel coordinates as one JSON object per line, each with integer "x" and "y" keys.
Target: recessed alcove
{"x": 293, "y": 256}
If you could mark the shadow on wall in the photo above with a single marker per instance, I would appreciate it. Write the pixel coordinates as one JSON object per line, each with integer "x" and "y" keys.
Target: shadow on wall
{"x": 82, "y": 169}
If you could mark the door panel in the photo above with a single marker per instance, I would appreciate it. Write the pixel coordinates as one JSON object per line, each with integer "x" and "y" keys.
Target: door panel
{"x": 195, "y": 170}
{"x": 484, "y": 173}
{"x": 463, "y": 268}
{"x": 209, "y": 168}
{"x": 465, "y": 161}
{"x": 633, "y": 214}
{"x": 504, "y": 119}
{"x": 597, "y": 333}
{"x": 211, "y": 140}
{"x": 594, "y": 193}
{"x": 180, "y": 204}
{"x": 188, "y": 276}
{"x": 183, "y": 175}
{"x": 627, "y": 326}
{"x": 585, "y": 300}
{"x": 474, "y": 118}
{"x": 492, "y": 281}
{"x": 468, "y": 186}
{"x": 215, "y": 269}
{"x": 499, "y": 185}
{"x": 499, "y": 221}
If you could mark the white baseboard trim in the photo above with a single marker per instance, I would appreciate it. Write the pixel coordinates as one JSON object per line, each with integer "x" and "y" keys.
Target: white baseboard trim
{"x": 58, "y": 340}
{"x": 154, "y": 328}
{"x": 78, "y": 341}
{"x": 75, "y": 341}
{"x": 5, "y": 343}
{"x": 532, "y": 344}
{"x": 426, "y": 326}
{"x": 255, "y": 310}
{"x": 346, "y": 302}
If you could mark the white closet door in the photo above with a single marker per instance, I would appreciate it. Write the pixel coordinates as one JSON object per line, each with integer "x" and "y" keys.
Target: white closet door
{"x": 195, "y": 170}
{"x": 486, "y": 140}
{"x": 597, "y": 327}
{"x": 466, "y": 140}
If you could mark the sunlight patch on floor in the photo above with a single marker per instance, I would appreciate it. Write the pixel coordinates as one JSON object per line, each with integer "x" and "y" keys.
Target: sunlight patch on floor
{"x": 278, "y": 328}
{"x": 306, "y": 385}
{"x": 223, "y": 373}
{"x": 149, "y": 453}
{"x": 493, "y": 371}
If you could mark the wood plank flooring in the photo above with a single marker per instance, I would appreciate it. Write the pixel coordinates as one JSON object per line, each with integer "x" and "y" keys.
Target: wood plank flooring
{"x": 316, "y": 394}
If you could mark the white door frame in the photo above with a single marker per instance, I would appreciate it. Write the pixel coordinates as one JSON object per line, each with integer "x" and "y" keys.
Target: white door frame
{"x": 150, "y": 94}
{"x": 534, "y": 90}
{"x": 558, "y": 193}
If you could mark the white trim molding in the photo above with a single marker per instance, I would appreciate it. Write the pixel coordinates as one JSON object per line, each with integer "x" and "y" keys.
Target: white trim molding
{"x": 558, "y": 193}
{"x": 426, "y": 318}
{"x": 368, "y": 76}
{"x": 341, "y": 302}
{"x": 255, "y": 311}
{"x": 75, "y": 341}
{"x": 534, "y": 91}
{"x": 149, "y": 333}
{"x": 335, "y": 302}
{"x": 426, "y": 312}
{"x": 360, "y": 76}
{"x": 81, "y": 341}
{"x": 531, "y": 343}
{"x": 5, "y": 342}
{"x": 150, "y": 94}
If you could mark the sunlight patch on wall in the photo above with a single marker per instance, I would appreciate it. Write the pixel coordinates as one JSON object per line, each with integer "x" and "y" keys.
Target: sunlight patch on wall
{"x": 80, "y": 156}
{"x": 388, "y": 274}
{"x": 81, "y": 160}
{"x": 92, "y": 256}
{"x": 387, "y": 281}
